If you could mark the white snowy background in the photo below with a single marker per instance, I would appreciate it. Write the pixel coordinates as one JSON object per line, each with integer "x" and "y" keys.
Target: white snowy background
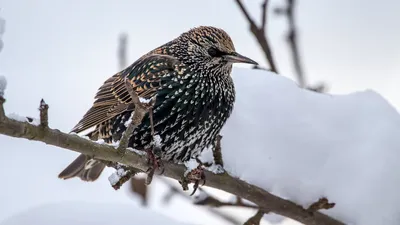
{"x": 63, "y": 51}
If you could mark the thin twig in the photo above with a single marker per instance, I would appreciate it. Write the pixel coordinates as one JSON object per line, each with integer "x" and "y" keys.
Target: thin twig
{"x": 256, "y": 219}
{"x": 138, "y": 114}
{"x": 259, "y": 33}
{"x": 44, "y": 115}
{"x": 176, "y": 191}
{"x": 292, "y": 37}
{"x": 211, "y": 201}
{"x": 264, "y": 9}
{"x": 140, "y": 109}
{"x": 123, "y": 177}
{"x": 322, "y": 203}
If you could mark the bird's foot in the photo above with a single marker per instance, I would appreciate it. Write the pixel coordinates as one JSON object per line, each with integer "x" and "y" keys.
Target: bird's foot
{"x": 195, "y": 176}
{"x": 155, "y": 163}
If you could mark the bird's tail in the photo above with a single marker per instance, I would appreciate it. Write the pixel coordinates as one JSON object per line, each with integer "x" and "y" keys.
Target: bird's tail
{"x": 83, "y": 167}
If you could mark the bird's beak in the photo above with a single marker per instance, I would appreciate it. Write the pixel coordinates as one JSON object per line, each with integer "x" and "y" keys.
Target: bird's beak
{"x": 238, "y": 58}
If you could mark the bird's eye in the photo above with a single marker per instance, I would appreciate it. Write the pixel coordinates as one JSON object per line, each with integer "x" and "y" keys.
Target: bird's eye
{"x": 213, "y": 52}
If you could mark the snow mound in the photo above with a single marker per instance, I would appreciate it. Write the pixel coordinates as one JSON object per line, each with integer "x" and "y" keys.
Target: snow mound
{"x": 302, "y": 145}
{"x": 81, "y": 213}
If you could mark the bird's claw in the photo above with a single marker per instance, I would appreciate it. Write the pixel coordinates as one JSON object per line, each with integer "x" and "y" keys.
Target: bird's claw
{"x": 195, "y": 176}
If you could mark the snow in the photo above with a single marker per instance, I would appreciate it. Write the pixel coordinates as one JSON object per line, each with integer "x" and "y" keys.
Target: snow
{"x": 116, "y": 176}
{"x": 302, "y": 145}
{"x": 207, "y": 157}
{"x": 201, "y": 196}
{"x": 100, "y": 141}
{"x": 129, "y": 121}
{"x": 144, "y": 100}
{"x": 83, "y": 213}
{"x": 3, "y": 85}
{"x": 19, "y": 118}
{"x": 139, "y": 152}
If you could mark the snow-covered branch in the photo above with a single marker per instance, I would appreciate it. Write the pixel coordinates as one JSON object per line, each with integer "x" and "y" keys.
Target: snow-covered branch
{"x": 263, "y": 199}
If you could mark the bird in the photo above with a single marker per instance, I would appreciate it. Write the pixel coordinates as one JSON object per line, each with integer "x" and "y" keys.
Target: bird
{"x": 190, "y": 78}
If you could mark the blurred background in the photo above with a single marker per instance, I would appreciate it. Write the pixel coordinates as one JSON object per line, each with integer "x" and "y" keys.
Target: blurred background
{"x": 63, "y": 51}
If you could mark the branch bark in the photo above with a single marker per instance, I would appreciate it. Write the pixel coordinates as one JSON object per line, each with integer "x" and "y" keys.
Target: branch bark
{"x": 266, "y": 201}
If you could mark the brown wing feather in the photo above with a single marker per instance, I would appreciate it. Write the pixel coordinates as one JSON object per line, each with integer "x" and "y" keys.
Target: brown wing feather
{"x": 112, "y": 98}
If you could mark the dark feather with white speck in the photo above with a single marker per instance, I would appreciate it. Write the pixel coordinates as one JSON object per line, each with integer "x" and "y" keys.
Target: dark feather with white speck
{"x": 195, "y": 95}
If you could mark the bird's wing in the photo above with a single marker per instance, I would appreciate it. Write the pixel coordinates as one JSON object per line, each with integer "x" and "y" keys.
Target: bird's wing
{"x": 113, "y": 98}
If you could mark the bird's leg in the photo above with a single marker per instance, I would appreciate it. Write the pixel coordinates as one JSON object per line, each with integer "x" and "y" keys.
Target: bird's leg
{"x": 195, "y": 176}
{"x": 154, "y": 153}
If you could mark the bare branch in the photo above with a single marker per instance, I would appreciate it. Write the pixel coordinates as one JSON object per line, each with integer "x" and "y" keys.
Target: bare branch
{"x": 264, "y": 9}
{"x": 217, "y": 153}
{"x": 259, "y": 33}
{"x": 265, "y": 200}
{"x": 137, "y": 116}
{"x": 118, "y": 179}
{"x": 256, "y": 219}
{"x": 44, "y": 115}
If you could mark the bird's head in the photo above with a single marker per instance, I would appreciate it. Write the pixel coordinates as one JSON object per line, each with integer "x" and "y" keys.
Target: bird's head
{"x": 209, "y": 48}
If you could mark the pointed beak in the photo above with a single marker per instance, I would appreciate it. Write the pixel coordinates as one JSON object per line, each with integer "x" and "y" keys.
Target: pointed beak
{"x": 238, "y": 58}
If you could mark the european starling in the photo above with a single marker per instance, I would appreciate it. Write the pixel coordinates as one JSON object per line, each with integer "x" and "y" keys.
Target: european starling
{"x": 190, "y": 77}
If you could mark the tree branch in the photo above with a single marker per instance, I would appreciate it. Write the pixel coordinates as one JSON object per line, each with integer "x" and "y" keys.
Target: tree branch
{"x": 259, "y": 33}
{"x": 256, "y": 219}
{"x": 266, "y": 201}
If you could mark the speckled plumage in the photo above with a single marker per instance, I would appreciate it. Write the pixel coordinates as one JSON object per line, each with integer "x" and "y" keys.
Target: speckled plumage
{"x": 190, "y": 76}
